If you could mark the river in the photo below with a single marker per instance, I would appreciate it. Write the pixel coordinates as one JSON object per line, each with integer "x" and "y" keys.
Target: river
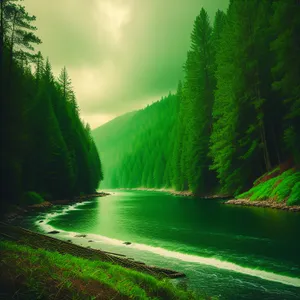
{"x": 226, "y": 251}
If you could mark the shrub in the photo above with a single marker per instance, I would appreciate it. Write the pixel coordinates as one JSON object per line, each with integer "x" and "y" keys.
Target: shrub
{"x": 31, "y": 198}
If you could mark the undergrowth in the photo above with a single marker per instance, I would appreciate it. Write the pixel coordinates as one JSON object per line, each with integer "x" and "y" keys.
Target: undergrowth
{"x": 284, "y": 187}
{"x": 31, "y": 198}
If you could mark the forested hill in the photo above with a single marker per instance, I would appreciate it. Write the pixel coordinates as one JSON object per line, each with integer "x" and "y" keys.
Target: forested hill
{"x": 236, "y": 114}
{"x": 47, "y": 152}
{"x": 136, "y": 146}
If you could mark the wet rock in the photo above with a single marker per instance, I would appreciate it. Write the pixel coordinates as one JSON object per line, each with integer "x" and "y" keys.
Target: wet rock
{"x": 53, "y": 232}
{"x": 80, "y": 235}
{"x": 127, "y": 243}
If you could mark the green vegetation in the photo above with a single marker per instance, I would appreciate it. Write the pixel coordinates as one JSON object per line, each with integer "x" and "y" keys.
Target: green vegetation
{"x": 284, "y": 187}
{"x": 31, "y": 198}
{"x": 52, "y": 275}
{"x": 46, "y": 148}
{"x": 235, "y": 115}
{"x": 134, "y": 147}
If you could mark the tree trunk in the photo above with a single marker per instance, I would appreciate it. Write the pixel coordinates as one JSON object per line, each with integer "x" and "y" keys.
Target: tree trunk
{"x": 276, "y": 146}
{"x": 265, "y": 150}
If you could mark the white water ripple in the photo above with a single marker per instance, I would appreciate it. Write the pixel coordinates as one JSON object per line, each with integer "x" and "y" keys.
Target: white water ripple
{"x": 209, "y": 261}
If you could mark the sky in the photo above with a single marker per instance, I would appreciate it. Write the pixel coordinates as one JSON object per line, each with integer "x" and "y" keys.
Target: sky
{"x": 120, "y": 54}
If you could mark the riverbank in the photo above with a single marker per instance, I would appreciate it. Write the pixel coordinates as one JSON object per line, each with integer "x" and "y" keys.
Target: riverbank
{"x": 38, "y": 273}
{"x": 176, "y": 193}
{"x": 40, "y": 265}
{"x": 264, "y": 204}
{"x": 277, "y": 189}
{"x": 17, "y": 211}
{"x": 170, "y": 191}
{"x": 35, "y": 239}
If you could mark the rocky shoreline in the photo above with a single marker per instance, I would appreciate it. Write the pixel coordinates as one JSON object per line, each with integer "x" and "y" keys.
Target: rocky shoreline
{"x": 264, "y": 204}
{"x": 170, "y": 191}
{"x": 177, "y": 193}
{"x": 18, "y": 211}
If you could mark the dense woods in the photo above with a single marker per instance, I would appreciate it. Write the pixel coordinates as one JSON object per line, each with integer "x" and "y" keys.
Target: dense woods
{"x": 136, "y": 147}
{"x": 236, "y": 113}
{"x": 46, "y": 148}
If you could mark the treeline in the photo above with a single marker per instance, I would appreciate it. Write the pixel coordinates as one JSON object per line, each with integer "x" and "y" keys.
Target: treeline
{"x": 46, "y": 148}
{"x": 238, "y": 107}
{"x": 134, "y": 147}
{"x": 240, "y": 101}
{"x": 146, "y": 163}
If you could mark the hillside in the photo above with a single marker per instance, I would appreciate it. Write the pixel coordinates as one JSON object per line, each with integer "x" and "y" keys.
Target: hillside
{"x": 237, "y": 111}
{"x": 140, "y": 132}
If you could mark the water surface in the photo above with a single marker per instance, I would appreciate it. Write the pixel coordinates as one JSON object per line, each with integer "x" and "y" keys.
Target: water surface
{"x": 226, "y": 251}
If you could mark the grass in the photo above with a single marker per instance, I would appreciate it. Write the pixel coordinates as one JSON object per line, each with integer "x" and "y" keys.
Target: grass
{"x": 284, "y": 187}
{"x": 52, "y": 275}
{"x": 267, "y": 175}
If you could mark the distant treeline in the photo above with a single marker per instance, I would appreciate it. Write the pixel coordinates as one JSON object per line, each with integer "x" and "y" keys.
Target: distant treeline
{"x": 45, "y": 147}
{"x": 236, "y": 114}
{"x": 136, "y": 148}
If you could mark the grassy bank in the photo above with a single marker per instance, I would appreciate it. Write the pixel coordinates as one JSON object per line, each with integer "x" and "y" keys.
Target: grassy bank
{"x": 38, "y": 274}
{"x": 279, "y": 187}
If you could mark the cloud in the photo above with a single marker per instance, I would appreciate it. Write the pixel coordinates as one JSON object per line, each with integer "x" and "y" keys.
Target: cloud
{"x": 120, "y": 54}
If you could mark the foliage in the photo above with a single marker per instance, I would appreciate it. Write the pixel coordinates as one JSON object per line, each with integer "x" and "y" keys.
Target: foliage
{"x": 46, "y": 148}
{"x": 31, "y": 198}
{"x": 294, "y": 197}
{"x": 39, "y": 267}
{"x": 236, "y": 115}
{"x": 134, "y": 147}
{"x": 285, "y": 23}
{"x": 284, "y": 187}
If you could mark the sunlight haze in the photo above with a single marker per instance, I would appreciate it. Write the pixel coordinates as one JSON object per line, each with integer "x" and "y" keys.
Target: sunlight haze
{"x": 117, "y": 52}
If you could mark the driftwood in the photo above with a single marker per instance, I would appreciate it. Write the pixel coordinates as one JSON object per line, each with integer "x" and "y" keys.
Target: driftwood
{"x": 38, "y": 240}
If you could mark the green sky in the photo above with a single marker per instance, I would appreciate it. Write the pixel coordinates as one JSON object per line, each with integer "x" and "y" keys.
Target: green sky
{"x": 120, "y": 54}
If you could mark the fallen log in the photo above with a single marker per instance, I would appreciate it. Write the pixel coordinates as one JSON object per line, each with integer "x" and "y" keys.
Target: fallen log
{"x": 38, "y": 240}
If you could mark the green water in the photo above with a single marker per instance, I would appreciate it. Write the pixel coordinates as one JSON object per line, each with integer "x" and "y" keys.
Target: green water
{"x": 227, "y": 251}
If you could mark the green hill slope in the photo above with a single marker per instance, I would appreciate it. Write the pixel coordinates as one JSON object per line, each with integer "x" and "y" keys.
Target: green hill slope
{"x": 134, "y": 147}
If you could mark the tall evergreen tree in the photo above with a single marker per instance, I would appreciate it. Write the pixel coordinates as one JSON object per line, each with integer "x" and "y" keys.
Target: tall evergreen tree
{"x": 199, "y": 90}
{"x": 45, "y": 146}
{"x": 286, "y": 47}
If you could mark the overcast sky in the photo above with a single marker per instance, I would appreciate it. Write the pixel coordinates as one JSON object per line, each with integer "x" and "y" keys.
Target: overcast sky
{"x": 120, "y": 54}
